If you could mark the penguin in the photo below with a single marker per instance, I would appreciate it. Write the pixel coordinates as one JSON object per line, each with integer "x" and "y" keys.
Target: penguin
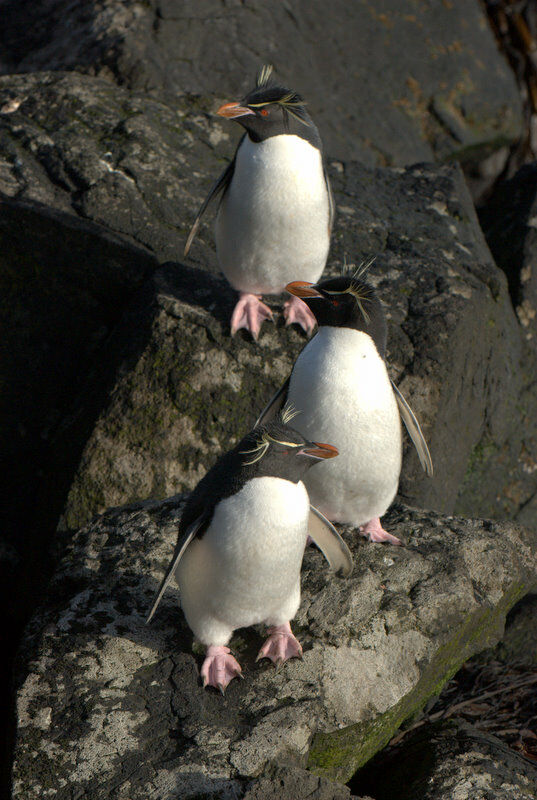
{"x": 276, "y": 208}
{"x": 240, "y": 545}
{"x": 341, "y": 386}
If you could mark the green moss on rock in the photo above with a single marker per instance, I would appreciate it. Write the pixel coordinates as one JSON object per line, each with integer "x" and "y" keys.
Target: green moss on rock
{"x": 337, "y": 755}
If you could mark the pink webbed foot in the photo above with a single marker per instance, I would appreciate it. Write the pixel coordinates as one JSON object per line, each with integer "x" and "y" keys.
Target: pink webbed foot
{"x": 296, "y": 310}
{"x": 374, "y": 531}
{"x": 249, "y": 313}
{"x": 280, "y": 645}
{"x": 219, "y": 668}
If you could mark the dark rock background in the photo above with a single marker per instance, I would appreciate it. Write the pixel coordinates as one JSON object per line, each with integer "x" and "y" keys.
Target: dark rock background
{"x": 391, "y": 82}
{"x": 447, "y": 760}
{"x": 118, "y": 377}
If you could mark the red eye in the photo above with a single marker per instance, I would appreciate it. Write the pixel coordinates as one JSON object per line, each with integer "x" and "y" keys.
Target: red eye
{"x": 264, "y": 112}
{"x": 335, "y": 302}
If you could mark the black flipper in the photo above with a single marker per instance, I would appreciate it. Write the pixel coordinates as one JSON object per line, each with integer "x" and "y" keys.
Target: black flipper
{"x": 331, "y": 203}
{"x": 414, "y": 431}
{"x": 274, "y": 405}
{"x": 330, "y": 543}
{"x": 219, "y": 187}
{"x": 182, "y": 543}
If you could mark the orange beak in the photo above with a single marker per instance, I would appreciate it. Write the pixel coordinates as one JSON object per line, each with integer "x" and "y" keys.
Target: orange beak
{"x": 233, "y": 110}
{"x": 302, "y": 289}
{"x": 321, "y": 450}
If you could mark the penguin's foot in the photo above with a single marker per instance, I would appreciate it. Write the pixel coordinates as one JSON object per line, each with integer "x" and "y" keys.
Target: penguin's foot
{"x": 249, "y": 313}
{"x": 219, "y": 668}
{"x": 295, "y": 310}
{"x": 376, "y": 533}
{"x": 280, "y": 645}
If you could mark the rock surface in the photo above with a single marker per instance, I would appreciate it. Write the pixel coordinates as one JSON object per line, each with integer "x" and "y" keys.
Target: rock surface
{"x": 450, "y": 760}
{"x": 388, "y": 82}
{"x": 519, "y": 643}
{"x": 85, "y": 147}
{"x": 509, "y": 222}
{"x": 280, "y": 783}
{"x": 109, "y": 707}
{"x": 92, "y": 184}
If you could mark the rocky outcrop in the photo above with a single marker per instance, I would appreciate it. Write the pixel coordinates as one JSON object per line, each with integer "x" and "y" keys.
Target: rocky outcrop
{"x": 126, "y": 162}
{"x": 389, "y": 84}
{"x": 519, "y": 644}
{"x": 450, "y": 760}
{"x": 108, "y": 706}
{"x": 174, "y": 358}
{"x": 92, "y": 184}
{"x": 509, "y": 222}
{"x": 81, "y": 152}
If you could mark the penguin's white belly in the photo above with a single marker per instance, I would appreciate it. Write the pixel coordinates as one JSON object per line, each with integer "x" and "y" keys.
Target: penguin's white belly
{"x": 342, "y": 389}
{"x": 272, "y": 224}
{"x": 246, "y": 567}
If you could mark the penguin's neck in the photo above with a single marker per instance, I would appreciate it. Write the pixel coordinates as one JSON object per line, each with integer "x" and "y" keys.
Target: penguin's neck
{"x": 285, "y": 155}
{"x": 347, "y": 340}
{"x": 298, "y": 130}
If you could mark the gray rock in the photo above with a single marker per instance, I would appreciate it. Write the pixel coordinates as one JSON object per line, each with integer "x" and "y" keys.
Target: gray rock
{"x": 280, "y": 783}
{"x": 64, "y": 282}
{"x": 389, "y": 83}
{"x": 183, "y": 392}
{"x": 519, "y": 643}
{"x": 450, "y": 761}
{"x": 110, "y": 707}
{"x": 84, "y": 217}
{"x": 85, "y": 147}
{"x": 509, "y": 222}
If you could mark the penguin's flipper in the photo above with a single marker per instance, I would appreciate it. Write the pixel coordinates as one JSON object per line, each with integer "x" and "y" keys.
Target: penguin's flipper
{"x": 274, "y": 405}
{"x": 180, "y": 548}
{"x": 329, "y": 543}
{"x": 331, "y": 203}
{"x": 414, "y": 431}
{"x": 217, "y": 188}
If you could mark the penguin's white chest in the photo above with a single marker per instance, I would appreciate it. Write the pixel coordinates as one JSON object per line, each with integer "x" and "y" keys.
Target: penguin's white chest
{"x": 341, "y": 387}
{"x": 272, "y": 226}
{"x": 246, "y": 567}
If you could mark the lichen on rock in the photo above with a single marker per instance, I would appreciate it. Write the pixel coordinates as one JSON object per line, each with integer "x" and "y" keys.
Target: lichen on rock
{"x": 106, "y": 701}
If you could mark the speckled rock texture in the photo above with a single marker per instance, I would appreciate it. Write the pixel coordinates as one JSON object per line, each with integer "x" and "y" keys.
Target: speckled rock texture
{"x": 450, "y": 761}
{"x": 109, "y": 707}
{"x": 389, "y": 82}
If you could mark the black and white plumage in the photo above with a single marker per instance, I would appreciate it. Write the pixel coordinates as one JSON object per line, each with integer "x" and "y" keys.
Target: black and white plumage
{"x": 340, "y": 386}
{"x": 276, "y": 209}
{"x": 241, "y": 541}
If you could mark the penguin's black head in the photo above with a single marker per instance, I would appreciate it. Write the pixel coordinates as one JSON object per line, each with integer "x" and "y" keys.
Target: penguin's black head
{"x": 346, "y": 302}
{"x": 278, "y": 450}
{"x": 271, "y": 110}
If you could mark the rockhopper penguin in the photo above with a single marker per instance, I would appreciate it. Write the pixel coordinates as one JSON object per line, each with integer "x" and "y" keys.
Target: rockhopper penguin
{"x": 276, "y": 209}
{"x": 340, "y": 386}
{"x": 240, "y": 546}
